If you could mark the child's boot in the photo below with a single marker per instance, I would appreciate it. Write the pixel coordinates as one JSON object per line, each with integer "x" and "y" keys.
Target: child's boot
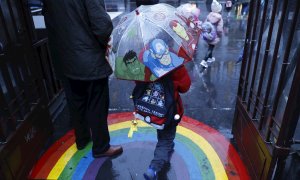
{"x": 204, "y": 64}
{"x": 150, "y": 174}
{"x": 210, "y": 60}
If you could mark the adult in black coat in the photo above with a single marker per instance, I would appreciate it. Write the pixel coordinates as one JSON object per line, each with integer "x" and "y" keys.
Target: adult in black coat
{"x": 146, "y": 2}
{"x": 78, "y": 35}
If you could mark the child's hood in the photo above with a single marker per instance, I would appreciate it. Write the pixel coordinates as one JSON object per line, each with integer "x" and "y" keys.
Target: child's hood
{"x": 216, "y": 6}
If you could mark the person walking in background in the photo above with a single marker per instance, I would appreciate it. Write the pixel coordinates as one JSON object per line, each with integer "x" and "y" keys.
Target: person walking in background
{"x": 228, "y": 6}
{"x": 214, "y": 18}
{"x": 78, "y": 33}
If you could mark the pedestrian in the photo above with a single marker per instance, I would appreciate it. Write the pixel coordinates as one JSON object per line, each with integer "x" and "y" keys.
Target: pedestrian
{"x": 78, "y": 33}
{"x": 215, "y": 18}
{"x": 146, "y": 2}
{"x": 228, "y": 6}
{"x": 180, "y": 83}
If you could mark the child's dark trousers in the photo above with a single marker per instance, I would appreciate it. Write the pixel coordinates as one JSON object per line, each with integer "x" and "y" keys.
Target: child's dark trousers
{"x": 164, "y": 148}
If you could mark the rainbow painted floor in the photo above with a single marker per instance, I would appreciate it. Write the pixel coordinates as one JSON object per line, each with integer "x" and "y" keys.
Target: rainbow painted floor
{"x": 200, "y": 153}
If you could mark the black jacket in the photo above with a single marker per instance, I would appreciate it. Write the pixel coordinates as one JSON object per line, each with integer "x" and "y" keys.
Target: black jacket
{"x": 146, "y": 2}
{"x": 78, "y": 32}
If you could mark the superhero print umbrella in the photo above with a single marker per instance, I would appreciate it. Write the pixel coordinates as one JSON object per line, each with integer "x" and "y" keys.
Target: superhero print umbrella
{"x": 190, "y": 15}
{"x": 150, "y": 42}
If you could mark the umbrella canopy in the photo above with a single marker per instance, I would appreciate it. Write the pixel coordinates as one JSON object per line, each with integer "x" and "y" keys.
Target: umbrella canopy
{"x": 150, "y": 42}
{"x": 189, "y": 10}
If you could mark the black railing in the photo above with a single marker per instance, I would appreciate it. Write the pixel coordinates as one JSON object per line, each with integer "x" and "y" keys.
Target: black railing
{"x": 269, "y": 86}
{"x": 30, "y": 94}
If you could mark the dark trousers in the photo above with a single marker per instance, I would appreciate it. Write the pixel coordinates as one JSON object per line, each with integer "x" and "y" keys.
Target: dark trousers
{"x": 88, "y": 103}
{"x": 209, "y": 52}
{"x": 164, "y": 148}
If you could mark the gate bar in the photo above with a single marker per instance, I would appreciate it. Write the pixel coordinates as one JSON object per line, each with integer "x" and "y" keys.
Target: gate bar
{"x": 268, "y": 43}
{"x": 243, "y": 80}
{"x": 285, "y": 63}
{"x": 252, "y": 43}
{"x": 257, "y": 55}
{"x": 274, "y": 60}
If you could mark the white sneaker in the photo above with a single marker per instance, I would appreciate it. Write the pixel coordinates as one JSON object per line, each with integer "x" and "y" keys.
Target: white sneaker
{"x": 210, "y": 60}
{"x": 204, "y": 63}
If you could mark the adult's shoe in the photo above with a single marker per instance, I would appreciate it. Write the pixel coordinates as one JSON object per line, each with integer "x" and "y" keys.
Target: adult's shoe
{"x": 150, "y": 174}
{"x": 112, "y": 151}
{"x": 210, "y": 60}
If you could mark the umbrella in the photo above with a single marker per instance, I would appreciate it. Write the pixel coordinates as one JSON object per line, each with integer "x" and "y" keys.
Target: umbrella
{"x": 150, "y": 42}
{"x": 190, "y": 14}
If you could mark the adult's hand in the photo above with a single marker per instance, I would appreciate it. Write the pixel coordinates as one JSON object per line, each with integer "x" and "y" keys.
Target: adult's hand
{"x": 1, "y": 48}
{"x": 108, "y": 48}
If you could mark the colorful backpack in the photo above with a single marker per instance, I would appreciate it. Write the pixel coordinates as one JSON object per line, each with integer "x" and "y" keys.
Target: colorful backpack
{"x": 209, "y": 32}
{"x": 155, "y": 104}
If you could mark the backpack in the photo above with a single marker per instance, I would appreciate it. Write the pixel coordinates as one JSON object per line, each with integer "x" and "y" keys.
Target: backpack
{"x": 155, "y": 104}
{"x": 209, "y": 32}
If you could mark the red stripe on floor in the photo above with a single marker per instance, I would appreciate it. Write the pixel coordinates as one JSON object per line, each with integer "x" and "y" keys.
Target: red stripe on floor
{"x": 234, "y": 166}
{"x": 49, "y": 159}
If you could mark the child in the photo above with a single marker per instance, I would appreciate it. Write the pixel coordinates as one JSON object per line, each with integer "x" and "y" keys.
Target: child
{"x": 215, "y": 18}
{"x": 165, "y": 145}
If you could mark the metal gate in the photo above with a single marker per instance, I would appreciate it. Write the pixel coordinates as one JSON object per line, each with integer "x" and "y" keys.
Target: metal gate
{"x": 28, "y": 90}
{"x": 268, "y": 102}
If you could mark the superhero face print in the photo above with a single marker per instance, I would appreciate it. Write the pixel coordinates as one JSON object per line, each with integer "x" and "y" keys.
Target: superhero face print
{"x": 160, "y": 103}
{"x": 146, "y": 98}
{"x": 179, "y": 30}
{"x": 160, "y": 52}
{"x": 155, "y": 93}
{"x": 159, "y": 59}
{"x": 134, "y": 67}
{"x": 153, "y": 101}
{"x": 148, "y": 91}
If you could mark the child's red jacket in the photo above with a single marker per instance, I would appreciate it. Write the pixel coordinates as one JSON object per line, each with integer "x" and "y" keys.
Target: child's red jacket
{"x": 182, "y": 83}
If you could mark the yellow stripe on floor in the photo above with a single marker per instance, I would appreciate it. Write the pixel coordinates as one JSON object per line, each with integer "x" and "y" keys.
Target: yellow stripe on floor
{"x": 62, "y": 162}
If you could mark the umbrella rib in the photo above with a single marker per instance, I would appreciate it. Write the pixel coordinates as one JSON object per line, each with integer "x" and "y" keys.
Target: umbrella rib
{"x": 127, "y": 29}
{"x": 141, "y": 32}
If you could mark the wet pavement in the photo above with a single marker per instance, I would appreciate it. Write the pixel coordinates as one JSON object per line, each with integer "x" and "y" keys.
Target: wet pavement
{"x": 211, "y": 98}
